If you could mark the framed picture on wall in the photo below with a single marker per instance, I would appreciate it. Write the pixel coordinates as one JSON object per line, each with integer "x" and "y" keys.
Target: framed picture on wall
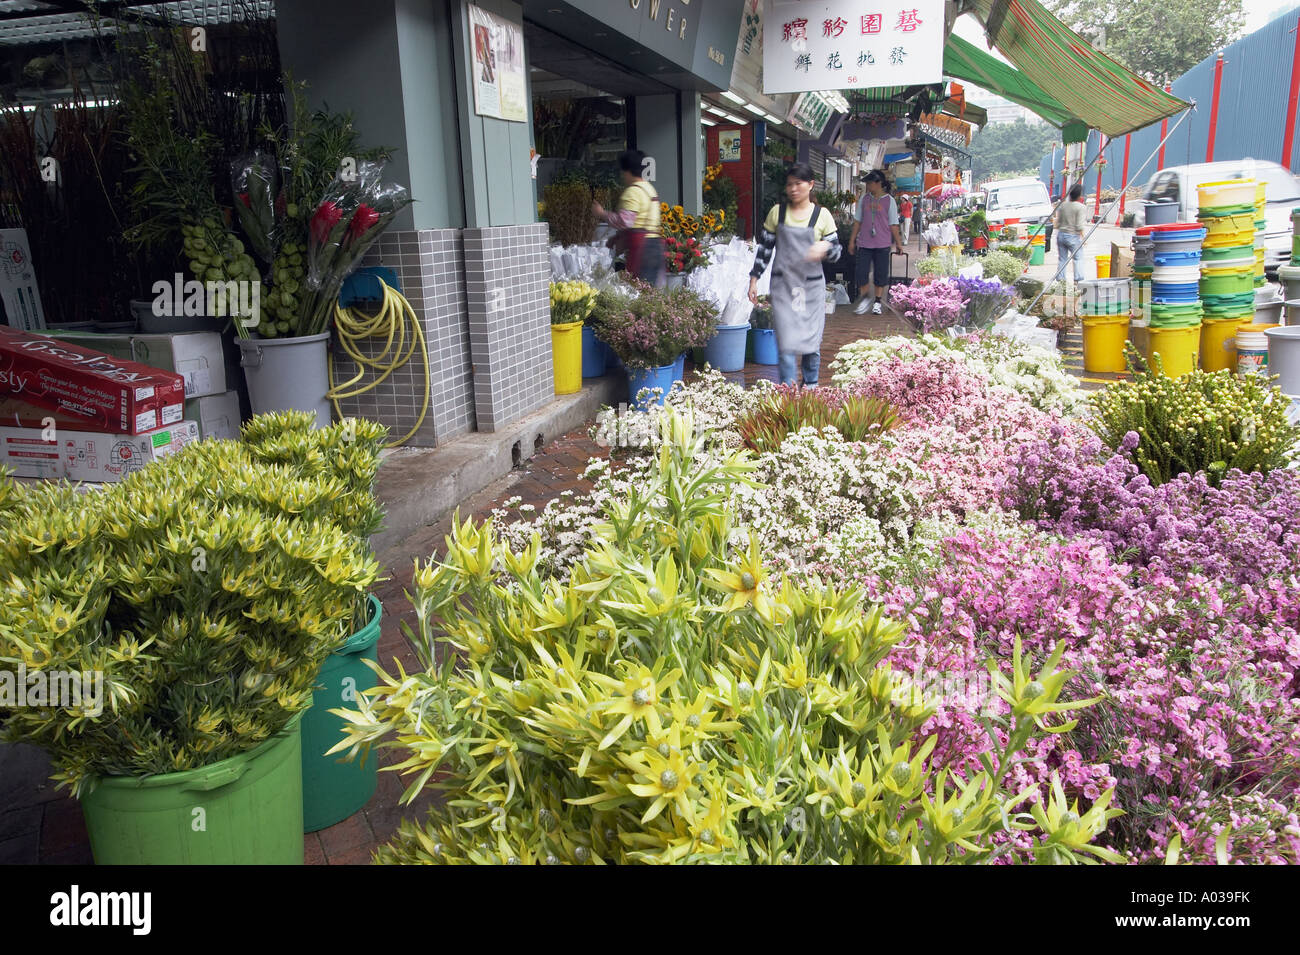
{"x": 729, "y": 145}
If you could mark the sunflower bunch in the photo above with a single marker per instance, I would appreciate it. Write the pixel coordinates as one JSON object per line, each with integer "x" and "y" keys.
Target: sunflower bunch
{"x": 676, "y": 223}
{"x": 673, "y": 702}
{"x": 207, "y": 589}
{"x": 1202, "y": 421}
{"x": 571, "y": 301}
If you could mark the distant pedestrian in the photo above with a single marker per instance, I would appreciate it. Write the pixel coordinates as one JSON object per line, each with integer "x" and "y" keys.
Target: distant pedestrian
{"x": 905, "y": 211}
{"x": 637, "y": 220}
{"x": 796, "y": 237}
{"x": 1069, "y": 221}
{"x": 875, "y": 229}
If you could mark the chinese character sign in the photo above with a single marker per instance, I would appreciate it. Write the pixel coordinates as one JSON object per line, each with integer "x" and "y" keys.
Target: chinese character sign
{"x": 851, "y": 44}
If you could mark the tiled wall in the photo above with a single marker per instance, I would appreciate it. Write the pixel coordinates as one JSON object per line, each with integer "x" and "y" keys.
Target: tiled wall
{"x": 507, "y": 282}
{"x": 430, "y": 266}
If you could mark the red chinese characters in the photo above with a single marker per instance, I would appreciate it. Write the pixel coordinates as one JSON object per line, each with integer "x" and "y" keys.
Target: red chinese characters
{"x": 908, "y": 21}
{"x": 795, "y": 30}
{"x": 834, "y": 28}
{"x": 871, "y": 22}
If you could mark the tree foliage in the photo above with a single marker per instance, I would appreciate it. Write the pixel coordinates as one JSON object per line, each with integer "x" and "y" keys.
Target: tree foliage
{"x": 1158, "y": 39}
{"x": 1011, "y": 149}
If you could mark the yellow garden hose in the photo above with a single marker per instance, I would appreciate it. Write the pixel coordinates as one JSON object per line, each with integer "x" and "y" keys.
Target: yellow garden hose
{"x": 396, "y": 323}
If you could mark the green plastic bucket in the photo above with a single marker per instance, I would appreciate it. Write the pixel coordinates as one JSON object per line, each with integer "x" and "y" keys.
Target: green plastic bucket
{"x": 244, "y": 810}
{"x": 332, "y": 790}
{"x": 1037, "y": 256}
{"x": 1230, "y": 254}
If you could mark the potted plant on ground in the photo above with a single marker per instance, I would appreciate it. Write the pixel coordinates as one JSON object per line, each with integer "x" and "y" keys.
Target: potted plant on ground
{"x": 650, "y": 329}
{"x": 571, "y": 302}
{"x": 762, "y": 333}
{"x": 974, "y": 230}
{"x": 205, "y": 592}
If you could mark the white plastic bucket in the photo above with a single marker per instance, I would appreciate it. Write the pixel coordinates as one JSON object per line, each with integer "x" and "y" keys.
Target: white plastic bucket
{"x": 1289, "y": 276}
{"x": 1252, "y": 353}
{"x": 1284, "y": 358}
{"x": 1176, "y": 274}
{"x": 288, "y": 374}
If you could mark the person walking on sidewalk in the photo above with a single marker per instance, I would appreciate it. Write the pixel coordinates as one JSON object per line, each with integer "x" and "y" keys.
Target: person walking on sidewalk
{"x": 905, "y": 218}
{"x": 637, "y": 220}
{"x": 875, "y": 228}
{"x": 1069, "y": 222}
{"x": 796, "y": 236}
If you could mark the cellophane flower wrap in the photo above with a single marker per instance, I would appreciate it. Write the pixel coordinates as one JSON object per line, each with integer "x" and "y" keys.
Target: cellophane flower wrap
{"x": 255, "y": 183}
{"x": 986, "y": 300}
{"x": 351, "y": 215}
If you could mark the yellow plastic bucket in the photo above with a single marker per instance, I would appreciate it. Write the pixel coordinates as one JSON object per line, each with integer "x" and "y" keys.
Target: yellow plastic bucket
{"x": 566, "y": 356}
{"x": 1179, "y": 349}
{"x": 1231, "y": 225}
{"x": 1231, "y": 192}
{"x": 1103, "y": 267}
{"x": 1103, "y": 342}
{"x": 1219, "y": 344}
{"x": 1225, "y": 240}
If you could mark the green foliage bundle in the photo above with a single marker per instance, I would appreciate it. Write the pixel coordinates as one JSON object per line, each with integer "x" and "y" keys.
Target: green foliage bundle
{"x": 672, "y": 703}
{"x": 1003, "y": 266}
{"x": 1202, "y": 421}
{"x": 207, "y": 589}
{"x": 943, "y": 265}
{"x": 785, "y": 411}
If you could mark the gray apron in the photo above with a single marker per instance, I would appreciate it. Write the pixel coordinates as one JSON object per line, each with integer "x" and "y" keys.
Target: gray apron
{"x": 796, "y": 282}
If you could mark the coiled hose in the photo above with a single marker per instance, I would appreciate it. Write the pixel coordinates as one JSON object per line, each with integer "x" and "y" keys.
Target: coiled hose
{"x": 396, "y": 323}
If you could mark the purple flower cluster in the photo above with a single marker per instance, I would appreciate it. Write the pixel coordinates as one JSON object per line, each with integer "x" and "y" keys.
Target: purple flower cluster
{"x": 986, "y": 300}
{"x": 936, "y": 305}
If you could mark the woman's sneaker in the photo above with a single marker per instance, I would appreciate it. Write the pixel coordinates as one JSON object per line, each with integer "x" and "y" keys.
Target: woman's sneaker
{"x": 864, "y": 304}
{"x": 875, "y": 309}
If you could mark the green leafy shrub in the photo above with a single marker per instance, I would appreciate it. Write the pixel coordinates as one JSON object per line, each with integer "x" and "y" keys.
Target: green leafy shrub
{"x": 941, "y": 264}
{"x": 1003, "y": 266}
{"x": 671, "y": 703}
{"x": 568, "y": 212}
{"x": 788, "y": 410}
{"x": 1202, "y": 421}
{"x": 207, "y": 589}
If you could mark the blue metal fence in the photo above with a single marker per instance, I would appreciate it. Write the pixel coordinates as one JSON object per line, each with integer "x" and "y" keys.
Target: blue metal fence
{"x": 1252, "y": 111}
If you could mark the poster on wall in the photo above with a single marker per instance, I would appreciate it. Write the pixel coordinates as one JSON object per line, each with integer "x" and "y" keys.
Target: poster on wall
{"x": 500, "y": 85}
{"x": 729, "y": 145}
{"x": 851, "y": 44}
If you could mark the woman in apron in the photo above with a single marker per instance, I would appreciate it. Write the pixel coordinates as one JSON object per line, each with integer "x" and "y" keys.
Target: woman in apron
{"x": 796, "y": 236}
{"x": 637, "y": 220}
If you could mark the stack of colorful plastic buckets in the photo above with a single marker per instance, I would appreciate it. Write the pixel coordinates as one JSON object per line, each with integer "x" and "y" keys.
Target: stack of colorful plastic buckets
{"x": 1104, "y": 308}
{"x": 1144, "y": 263}
{"x": 1038, "y": 244}
{"x": 1295, "y": 237}
{"x": 1261, "y": 230}
{"x": 1229, "y": 267}
{"x": 1175, "y": 325}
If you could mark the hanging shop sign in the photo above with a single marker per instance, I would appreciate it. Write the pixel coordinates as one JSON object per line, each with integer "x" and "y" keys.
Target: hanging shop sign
{"x": 810, "y": 113}
{"x": 500, "y": 84}
{"x": 851, "y": 44}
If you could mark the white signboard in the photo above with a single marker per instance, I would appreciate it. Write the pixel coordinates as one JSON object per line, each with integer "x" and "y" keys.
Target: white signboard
{"x": 18, "y": 291}
{"x": 500, "y": 86}
{"x": 843, "y": 44}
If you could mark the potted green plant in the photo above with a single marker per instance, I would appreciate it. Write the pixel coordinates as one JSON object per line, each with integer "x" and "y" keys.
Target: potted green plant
{"x": 199, "y": 598}
{"x": 650, "y": 328}
{"x": 974, "y": 229}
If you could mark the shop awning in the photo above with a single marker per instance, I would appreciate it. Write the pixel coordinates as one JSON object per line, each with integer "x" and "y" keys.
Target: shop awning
{"x": 966, "y": 61}
{"x": 1087, "y": 84}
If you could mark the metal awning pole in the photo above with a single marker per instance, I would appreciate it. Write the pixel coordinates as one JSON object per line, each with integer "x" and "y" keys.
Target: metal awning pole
{"x": 1070, "y": 258}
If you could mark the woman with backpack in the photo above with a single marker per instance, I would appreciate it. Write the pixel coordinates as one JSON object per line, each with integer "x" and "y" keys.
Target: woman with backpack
{"x": 796, "y": 237}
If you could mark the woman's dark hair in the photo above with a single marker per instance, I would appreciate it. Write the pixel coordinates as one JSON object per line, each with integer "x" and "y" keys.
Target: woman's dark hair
{"x": 632, "y": 160}
{"x": 877, "y": 175}
{"x": 801, "y": 171}
{"x": 1076, "y": 192}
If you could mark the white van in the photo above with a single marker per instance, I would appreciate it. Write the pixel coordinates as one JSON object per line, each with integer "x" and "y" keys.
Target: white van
{"x": 1179, "y": 184}
{"x": 1025, "y": 199}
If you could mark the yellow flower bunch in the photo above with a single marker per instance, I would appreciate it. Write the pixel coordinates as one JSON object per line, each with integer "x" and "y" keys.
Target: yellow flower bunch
{"x": 673, "y": 221}
{"x": 571, "y": 301}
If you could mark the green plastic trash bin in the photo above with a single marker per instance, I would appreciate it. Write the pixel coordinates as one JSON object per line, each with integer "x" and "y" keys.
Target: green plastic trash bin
{"x": 333, "y": 789}
{"x": 244, "y": 810}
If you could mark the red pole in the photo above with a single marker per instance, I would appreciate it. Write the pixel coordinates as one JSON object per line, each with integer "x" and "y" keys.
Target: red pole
{"x": 1128, "y": 141}
{"x": 1164, "y": 131}
{"x": 1096, "y": 200}
{"x": 1288, "y": 138}
{"x": 1214, "y": 108}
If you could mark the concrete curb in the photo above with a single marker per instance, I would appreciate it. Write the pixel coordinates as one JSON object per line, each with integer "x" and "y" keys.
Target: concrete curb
{"x": 421, "y": 486}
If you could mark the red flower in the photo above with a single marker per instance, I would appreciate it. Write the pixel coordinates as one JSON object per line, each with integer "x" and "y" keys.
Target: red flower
{"x": 243, "y": 197}
{"x": 362, "y": 220}
{"x": 323, "y": 221}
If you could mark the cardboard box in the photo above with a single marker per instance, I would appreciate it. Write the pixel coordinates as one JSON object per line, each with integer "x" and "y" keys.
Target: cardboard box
{"x": 217, "y": 415}
{"x": 59, "y": 452}
{"x": 198, "y": 357}
{"x": 102, "y": 392}
{"x": 18, "y": 291}
{"x": 1121, "y": 261}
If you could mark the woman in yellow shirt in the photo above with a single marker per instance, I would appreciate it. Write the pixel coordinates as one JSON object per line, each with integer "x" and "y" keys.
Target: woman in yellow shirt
{"x": 637, "y": 220}
{"x": 796, "y": 236}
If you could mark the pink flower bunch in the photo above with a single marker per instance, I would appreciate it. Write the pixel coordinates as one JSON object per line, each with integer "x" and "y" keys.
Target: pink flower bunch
{"x": 936, "y": 305}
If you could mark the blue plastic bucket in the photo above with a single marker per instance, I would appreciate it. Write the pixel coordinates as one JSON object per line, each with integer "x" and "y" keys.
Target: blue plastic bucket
{"x": 639, "y": 378}
{"x": 726, "y": 349}
{"x": 1188, "y": 257}
{"x": 765, "y": 352}
{"x": 594, "y": 358}
{"x": 679, "y": 367}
